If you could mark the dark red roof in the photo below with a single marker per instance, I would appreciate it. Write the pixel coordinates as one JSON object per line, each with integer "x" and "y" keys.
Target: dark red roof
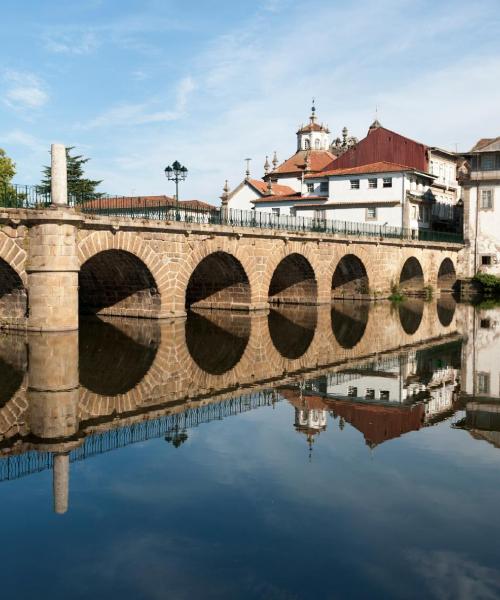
{"x": 384, "y": 145}
{"x": 120, "y": 202}
{"x": 377, "y": 167}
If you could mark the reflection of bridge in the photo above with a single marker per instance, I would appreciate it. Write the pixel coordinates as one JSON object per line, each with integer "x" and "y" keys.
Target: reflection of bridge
{"x": 78, "y": 398}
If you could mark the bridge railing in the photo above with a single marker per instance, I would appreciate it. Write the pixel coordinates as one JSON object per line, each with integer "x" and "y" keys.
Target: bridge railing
{"x": 15, "y": 196}
{"x": 22, "y": 196}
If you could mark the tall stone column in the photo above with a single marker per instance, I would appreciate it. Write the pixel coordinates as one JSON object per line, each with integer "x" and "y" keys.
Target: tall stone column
{"x": 59, "y": 178}
{"x": 53, "y": 394}
{"x": 52, "y": 264}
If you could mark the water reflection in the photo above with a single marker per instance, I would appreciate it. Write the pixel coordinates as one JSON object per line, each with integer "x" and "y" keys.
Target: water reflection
{"x": 292, "y": 329}
{"x": 217, "y": 341}
{"x": 119, "y": 381}
{"x": 410, "y": 314}
{"x": 114, "y": 356}
{"x": 349, "y": 321}
{"x": 446, "y": 305}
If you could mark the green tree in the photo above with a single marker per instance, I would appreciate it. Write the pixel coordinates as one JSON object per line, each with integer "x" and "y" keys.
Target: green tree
{"x": 79, "y": 186}
{"x": 7, "y": 168}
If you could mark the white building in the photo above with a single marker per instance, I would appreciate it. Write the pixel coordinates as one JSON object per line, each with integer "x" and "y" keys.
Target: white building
{"x": 480, "y": 181}
{"x": 361, "y": 182}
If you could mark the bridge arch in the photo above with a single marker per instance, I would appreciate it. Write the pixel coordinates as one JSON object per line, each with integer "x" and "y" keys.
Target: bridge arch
{"x": 350, "y": 278}
{"x": 13, "y": 296}
{"x": 293, "y": 281}
{"x": 411, "y": 278}
{"x": 104, "y": 256}
{"x": 117, "y": 282}
{"x": 447, "y": 275}
{"x": 219, "y": 281}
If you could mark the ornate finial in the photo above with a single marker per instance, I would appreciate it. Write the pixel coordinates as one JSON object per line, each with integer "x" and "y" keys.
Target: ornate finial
{"x": 267, "y": 166}
{"x": 269, "y": 187}
{"x": 247, "y": 172}
{"x": 313, "y": 112}
{"x": 225, "y": 193}
{"x": 275, "y": 160}
{"x": 308, "y": 162}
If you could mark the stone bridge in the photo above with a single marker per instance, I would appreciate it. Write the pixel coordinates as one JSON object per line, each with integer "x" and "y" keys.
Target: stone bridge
{"x": 57, "y": 263}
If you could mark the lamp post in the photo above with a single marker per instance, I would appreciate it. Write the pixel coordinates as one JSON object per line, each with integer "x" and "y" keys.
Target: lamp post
{"x": 176, "y": 173}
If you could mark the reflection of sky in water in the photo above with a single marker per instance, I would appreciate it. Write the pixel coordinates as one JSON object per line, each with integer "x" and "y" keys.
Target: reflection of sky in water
{"x": 243, "y": 508}
{"x": 239, "y": 511}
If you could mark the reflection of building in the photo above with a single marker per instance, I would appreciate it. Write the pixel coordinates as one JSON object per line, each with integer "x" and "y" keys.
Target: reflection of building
{"x": 480, "y": 353}
{"x": 430, "y": 376}
{"x": 310, "y": 414}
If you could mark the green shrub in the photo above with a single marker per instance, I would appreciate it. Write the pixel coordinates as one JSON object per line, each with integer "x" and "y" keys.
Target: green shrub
{"x": 490, "y": 284}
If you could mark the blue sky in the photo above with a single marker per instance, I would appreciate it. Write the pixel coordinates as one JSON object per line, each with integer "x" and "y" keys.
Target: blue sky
{"x": 136, "y": 84}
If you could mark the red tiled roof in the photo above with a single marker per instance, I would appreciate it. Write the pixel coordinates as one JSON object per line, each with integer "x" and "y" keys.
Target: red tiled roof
{"x": 278, "y": 190}
{"x": 294, "y": 198}
{"x": 482, "y": 143}
{"x": 319, "y": 159}
{"x": 313, "y": 127}
{"x": 120, "y": 202}
{"x": 377, "y": 167}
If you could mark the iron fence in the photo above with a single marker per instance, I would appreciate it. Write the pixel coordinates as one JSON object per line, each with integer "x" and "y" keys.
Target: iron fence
{"x": 15, "y": 196}
{"x": 22, "y": 196}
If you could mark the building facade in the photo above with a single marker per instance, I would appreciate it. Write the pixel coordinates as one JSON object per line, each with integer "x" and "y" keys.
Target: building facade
{"x": 480, "y": 182}
{"x": 384, "y": 179}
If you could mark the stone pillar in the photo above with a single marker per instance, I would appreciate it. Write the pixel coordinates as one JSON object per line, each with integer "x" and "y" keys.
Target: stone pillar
{"x": 60, "y": 483}
{"x": 53, "y": 395}
{"x": 52, "y": 269}
{"x": 59, "y": 178}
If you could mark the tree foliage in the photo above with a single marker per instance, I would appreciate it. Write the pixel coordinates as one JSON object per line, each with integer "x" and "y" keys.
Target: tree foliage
{"x": 79, "y": 187}
{"x": 7, "y": 167}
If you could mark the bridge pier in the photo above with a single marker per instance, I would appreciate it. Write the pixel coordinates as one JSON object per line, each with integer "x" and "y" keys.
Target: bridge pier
{"x": 53, "y": 395}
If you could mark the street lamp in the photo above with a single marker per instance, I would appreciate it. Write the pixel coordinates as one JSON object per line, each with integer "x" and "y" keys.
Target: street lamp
{"x": 176, "y": 173}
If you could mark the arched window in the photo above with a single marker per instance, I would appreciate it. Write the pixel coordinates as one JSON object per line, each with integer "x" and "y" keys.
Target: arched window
{"x": 316, "y": 144}
{"x": 307, "y": 145}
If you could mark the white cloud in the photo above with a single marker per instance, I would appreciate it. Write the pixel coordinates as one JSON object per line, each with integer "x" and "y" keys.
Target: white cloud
{"x": 74, "y": 43}
{"x": 451, "y": 576}
{"x": 146, "y": 112}
{"x": 24, "y": 90}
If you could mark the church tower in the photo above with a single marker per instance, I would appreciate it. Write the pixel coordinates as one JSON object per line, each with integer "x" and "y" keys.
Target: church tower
{"x": 313, "y": 136}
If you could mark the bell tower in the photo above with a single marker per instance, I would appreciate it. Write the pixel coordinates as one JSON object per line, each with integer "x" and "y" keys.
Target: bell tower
{"x": 313, "y": 136}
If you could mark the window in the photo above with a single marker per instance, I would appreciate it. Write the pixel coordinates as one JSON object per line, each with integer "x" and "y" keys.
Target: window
{"x": 384, "y": 395}
{"x": 414, "y": 212}
{"x": 320, "y": 214}
{"x": 276, "y": 211}
{"x": 387, "y": 182}
{"x": 310, "y": 187}
{"x": 372, "y": 183}
{"x": 354, "y": 184}
{"x": 323, "y": 186}
{"x": 486, "y": 260}
{"x": 483, "y": 383}
{"x": 487, "y": 162}
{"x": 307, "y": 145}
{"x": 370, "y": 394}
{"x": 485, "y": 324}
{"x": 371, "y": 213}
{"x": 316, "y": 144}
{"x": 486, "y": 199}
{"x": 352, "y": 391}
{"x": 293, "y": 211}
